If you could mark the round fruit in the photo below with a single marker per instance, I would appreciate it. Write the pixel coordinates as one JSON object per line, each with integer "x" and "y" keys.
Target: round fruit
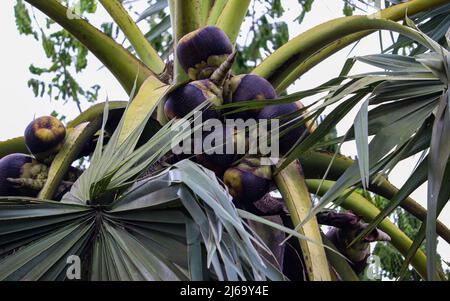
{"x": 188, "y": 97}
{"x": 285, "y": 114}
{"x": 249, "y": 181}
{"x": 20, "y": 175}
{"x": 44, "y": 137}
{"x": 202, "y": 51}
{"x": 248, "y": 87}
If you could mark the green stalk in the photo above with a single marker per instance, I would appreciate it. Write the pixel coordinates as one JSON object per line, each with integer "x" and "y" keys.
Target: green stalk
{"x": 96, "y": 111}
{"x": 171, "y": 4}
{"x": 291, "y": 183}
{"x": 232, "y": 16}
{"x": 137, "y": 39}
{"x": 205, "y": 8}
{"x": 320, "y": 36}
{"x": 178, "y": 73}
{"x": 282, "y": 67}
{"x": 14, "y": 145}
{"x": 185, "y": 18}
{"x": 215, "y": 11}
{"x": 364, "y": 208}
{"x": 394, "y": 13}
{"x": 301, "y": 65}
{"x": 316, "y": 163}
{"x": 123, "y": 65}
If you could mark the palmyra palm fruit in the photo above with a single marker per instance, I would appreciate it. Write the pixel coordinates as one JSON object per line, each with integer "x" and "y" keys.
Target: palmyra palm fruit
{"x": 44, "y": 137}
{"x": 21, "y": 175}
{"x": 248, "y": 87}
{"x": 202, "y": 51}
{"x": 188, "y": 97}
{"x": 249, "y": 181}
{"x": 285, "y": 113}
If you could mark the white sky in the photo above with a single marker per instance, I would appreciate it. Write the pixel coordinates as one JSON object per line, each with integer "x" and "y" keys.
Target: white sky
{"x": 20, "y": 105}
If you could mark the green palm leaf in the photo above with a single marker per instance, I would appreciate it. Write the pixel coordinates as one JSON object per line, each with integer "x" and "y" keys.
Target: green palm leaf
{"x": 155, "y": 230}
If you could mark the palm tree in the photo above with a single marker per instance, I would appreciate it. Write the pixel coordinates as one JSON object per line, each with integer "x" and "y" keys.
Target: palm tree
{"x": 133, "y": 216}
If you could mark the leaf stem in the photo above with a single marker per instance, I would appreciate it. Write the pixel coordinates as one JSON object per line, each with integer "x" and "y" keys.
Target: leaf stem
{"x": 123, "y": 65}
{"x": 215, "y": 12}
{"x": 137, "y": 39}
{"x": 185, "y": 18}
{"x": 232, "y": 16}
{"x": 284, "y": 66}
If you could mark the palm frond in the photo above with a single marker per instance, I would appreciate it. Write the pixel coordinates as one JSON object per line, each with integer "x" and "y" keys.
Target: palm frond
{"x": 407, "y": 113}
{"x": 434, "y": 23}
{"x": 124, "y": 228}
{"x": 155, "y": 230}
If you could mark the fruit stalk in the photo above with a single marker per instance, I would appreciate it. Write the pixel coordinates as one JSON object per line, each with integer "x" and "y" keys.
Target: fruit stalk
{"x": 123, "y": 65}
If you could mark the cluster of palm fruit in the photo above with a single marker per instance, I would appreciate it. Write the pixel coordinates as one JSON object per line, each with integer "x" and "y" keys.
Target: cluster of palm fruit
{"x": 207, "y": 55}
{"x": 25, "y": 175}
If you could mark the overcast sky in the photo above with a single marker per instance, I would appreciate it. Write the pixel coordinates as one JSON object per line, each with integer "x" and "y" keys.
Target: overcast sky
{"x": 20, "y": 105}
